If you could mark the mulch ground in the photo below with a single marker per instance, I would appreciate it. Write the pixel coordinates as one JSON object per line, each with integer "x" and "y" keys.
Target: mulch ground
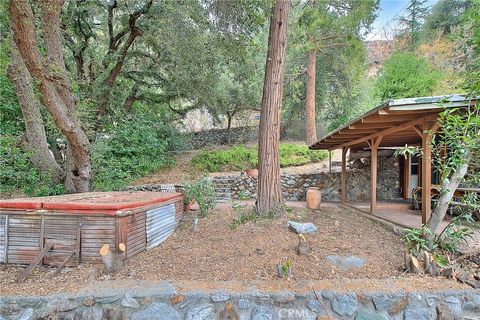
{"x": 251, "y": 252}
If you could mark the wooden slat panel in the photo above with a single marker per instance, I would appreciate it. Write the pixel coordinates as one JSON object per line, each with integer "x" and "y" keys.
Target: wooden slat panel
{"x": 2, "y": 238}
{"x": 95, "y": 232}
{"x": 23, "y": 238}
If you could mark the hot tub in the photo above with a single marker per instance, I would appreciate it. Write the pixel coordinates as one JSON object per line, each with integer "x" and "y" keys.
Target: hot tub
{"x": 80, "y": 224}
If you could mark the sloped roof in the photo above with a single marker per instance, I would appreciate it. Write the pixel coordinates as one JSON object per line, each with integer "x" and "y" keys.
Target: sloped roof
{"x": 400, "y": 121}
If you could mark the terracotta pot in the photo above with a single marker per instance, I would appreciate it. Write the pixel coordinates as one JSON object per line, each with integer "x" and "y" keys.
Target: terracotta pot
{"x": 252, "y": 173}
{"x": 188, "y": 206}
{"x": 314, "y": 198}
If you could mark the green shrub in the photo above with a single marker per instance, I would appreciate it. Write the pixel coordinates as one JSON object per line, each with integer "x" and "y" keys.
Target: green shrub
{"x": 241, "y": 158}
{"x": 17, "y": 172}
{"x": 203, "y": 192}
{"x": 131, "y": 149}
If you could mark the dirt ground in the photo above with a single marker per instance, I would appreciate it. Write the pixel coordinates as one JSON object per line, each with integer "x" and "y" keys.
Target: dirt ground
{"x": 214, "y": 252}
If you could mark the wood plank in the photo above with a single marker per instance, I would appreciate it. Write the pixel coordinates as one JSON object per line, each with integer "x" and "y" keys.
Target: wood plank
{"x": 35, "y": 262}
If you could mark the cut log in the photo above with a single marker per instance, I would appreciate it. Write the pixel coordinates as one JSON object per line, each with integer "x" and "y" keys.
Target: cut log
{"x": 303, "y": 246}
{"x": 414, "y": 265}
{"x": 113, "y": 261}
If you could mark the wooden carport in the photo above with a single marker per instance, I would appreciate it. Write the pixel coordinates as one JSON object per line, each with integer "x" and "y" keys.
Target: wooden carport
{"x": 395, "y": 123}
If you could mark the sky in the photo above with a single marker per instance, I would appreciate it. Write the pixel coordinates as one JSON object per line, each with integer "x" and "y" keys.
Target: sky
{"x": 385, "y": 23}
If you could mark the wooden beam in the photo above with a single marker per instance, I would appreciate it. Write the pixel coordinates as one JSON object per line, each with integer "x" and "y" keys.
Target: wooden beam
{"x": 373, "y": 173}
{"x": 395, "y": 112}
{"x": 330, "y": 161}
{"x": 406, "y": 176}
{"x": 343, "y": 175}
{"x": 387, "y": 131}
{"x": 372, "y": 125}
{"x": 355, "y": 131}
{"x": 418, "y": 131}
{"x": 389, "y": 118}
{"x": 428, "y": 131}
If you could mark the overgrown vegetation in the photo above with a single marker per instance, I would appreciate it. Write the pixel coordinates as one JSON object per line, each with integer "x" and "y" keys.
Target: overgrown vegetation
{"x": 203, "y": 193}
{"x": 242, "y": 158}
{"x": 131, "y": 149}
{"x": 17, "y": 173}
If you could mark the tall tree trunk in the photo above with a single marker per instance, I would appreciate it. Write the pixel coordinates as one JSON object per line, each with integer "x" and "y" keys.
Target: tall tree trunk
{"x": 37, "y": 145}
{"x": 269, "y": 185}
{"x": 448, "y": 188}
{"x": 55, "y": 90}
{"x": 311, "y": 133}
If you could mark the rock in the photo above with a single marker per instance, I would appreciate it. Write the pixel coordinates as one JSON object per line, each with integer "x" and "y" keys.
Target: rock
{"x": 113, "y": 313}
{"x": 178, "y": 298}
{"x": 303, "y": 228}
{"x": 60, "y": 305}
{"x": 106, "y": 300}
{"x": 263, "y": 313}
{"x": 92, "y": 313}
{"x": 315, "y": 306}
{"x": 88, "y": 301}
{"x": 445, "y": 313}
{"x": 369, "y": 315}
{"x": 291, "y": 182}
{"x": 418, "y": 314}
{"x": 27, "y": 314}
{"x": 220, "y": 297}
{"x": 346, "y": 263}
{"x": 472, "y": 304}
{"x": 156, "y": 311}
{"x": 129, "y": 302}
{"x": 243, "y": 304}
{"x": 384, "y": 301}
{"x": 201, "y": 312}
{"x": 344, "y": 304}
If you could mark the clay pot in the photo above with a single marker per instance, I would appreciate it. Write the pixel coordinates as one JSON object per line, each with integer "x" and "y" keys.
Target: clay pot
{"x": 314, "y": 198}
{"x": 252, "y": 173}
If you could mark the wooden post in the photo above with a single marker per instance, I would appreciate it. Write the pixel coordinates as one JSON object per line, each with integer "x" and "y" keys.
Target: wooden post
{"x": 373, "y": 173}
{"x": 343, "y": 175}
{"x": 330, "y": 161}
{"x": 406, "y": 176}
{"x": 426, "y": 176}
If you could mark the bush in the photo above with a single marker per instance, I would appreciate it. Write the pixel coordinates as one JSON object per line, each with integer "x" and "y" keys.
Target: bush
{"x": 241, "y": 158}
{"x": 203, "y": 192}
{"x": 131, "y": 149}
{"x": 17, "y": 172}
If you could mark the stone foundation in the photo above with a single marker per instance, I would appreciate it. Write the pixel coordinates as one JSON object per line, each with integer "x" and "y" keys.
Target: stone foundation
{"x": 295, "y": 186}
{"x": 147, "y": 300}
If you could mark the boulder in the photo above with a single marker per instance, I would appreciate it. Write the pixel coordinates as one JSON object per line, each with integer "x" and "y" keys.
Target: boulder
{"x": 302, "y": 228}
{"x": 346, "y": 263}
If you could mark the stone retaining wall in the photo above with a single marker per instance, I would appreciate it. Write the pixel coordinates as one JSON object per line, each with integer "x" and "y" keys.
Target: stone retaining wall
{"x": 295, "y": 186}
{"x": 166, "y": 303}
{"x": 219, "y": 137}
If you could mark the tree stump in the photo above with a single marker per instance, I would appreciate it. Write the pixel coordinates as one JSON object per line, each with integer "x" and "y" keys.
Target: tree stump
{"x": 112, "y": 261}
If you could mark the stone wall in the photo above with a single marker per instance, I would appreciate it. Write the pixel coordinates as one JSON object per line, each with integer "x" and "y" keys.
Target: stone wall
{"x": 147, "y": 300}
{"x": 218, "y": 137}
{"x": 295, "y": 186}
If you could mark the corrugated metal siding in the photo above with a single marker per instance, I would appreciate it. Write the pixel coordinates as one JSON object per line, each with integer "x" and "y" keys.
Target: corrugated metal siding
{"x": 160, "y": 224}
{"x": 2, "y": 238}
{"x": 62, "y": 228}
{"x": 136, "y": 234}
{"x": 95, "y": 232}
{"x": 23, "y": 238}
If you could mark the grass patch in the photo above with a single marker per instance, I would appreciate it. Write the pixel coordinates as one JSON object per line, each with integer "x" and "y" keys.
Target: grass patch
{"x": 239, "y": 158}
